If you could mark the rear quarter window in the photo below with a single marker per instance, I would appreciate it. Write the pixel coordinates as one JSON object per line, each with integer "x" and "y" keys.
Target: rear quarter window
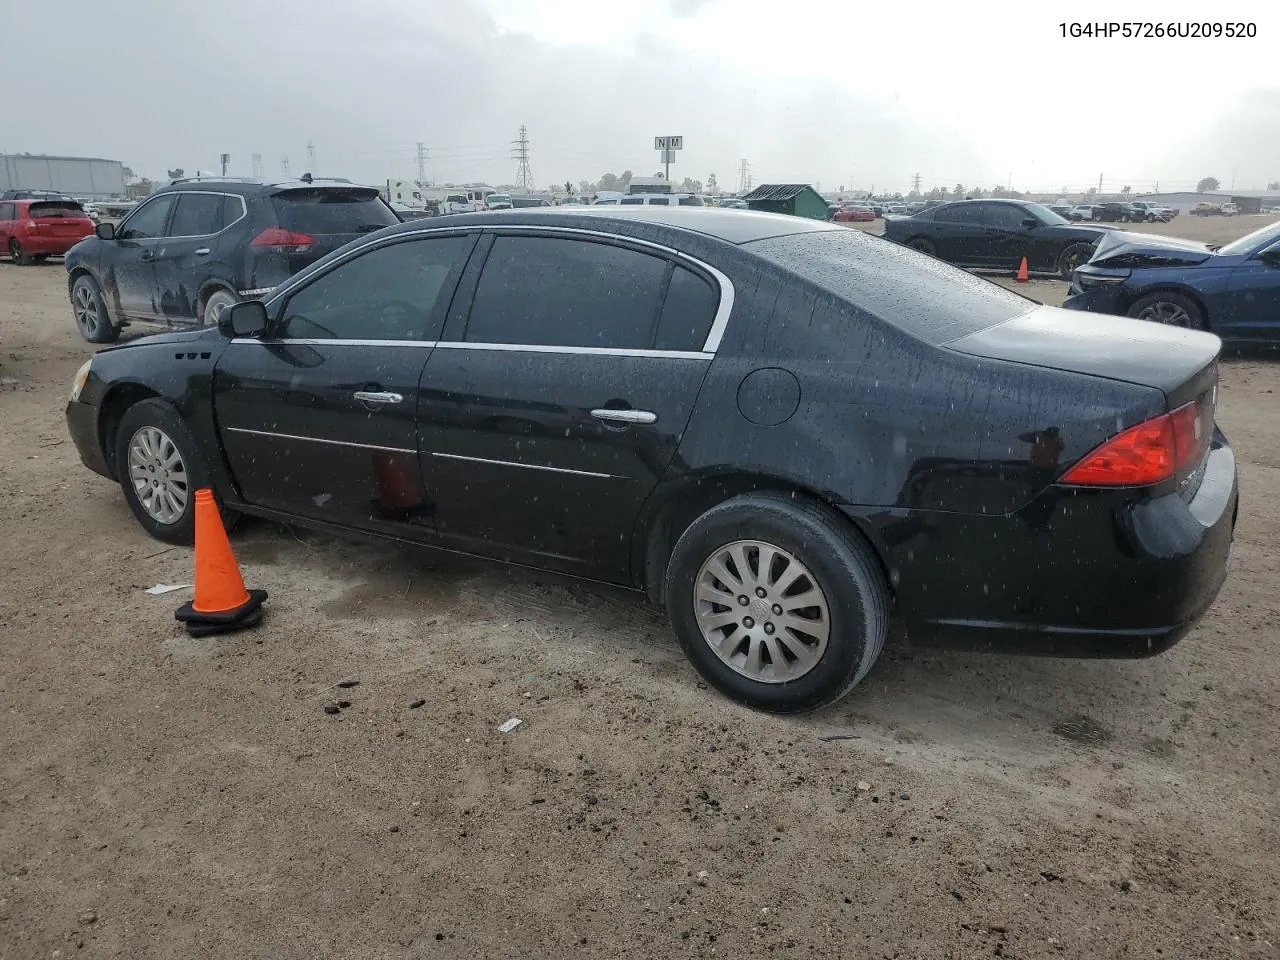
{"x": 923, "y": 297}
{"x": 330, "y": 210}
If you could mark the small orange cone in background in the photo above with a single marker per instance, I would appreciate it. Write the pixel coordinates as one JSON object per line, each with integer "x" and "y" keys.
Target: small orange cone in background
{"x": 1022, "y": 271}
{"x": 221, "y": 603}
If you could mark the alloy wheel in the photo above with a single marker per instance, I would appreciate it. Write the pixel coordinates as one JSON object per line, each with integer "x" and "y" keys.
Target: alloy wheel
{"x": 158, "y": 475}
{"x": 1162, "y": 311}
{"x": 761, "y": 611}
{"x": 86, "y": 310}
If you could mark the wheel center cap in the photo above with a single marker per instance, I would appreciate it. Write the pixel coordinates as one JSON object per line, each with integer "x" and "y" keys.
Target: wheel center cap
{"x": 760, "y": 608}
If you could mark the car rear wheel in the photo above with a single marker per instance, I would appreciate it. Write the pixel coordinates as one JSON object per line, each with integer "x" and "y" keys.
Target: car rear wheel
{"x": 18, "y": 255}
{"x": 91, "y": 313}
{"x": 1174, "y": 309}
{"x": 924, "y": 246}
{"x": 777, "y": 602}
{"x": 1072, "y": 257}
{"x": 213, "y": 305}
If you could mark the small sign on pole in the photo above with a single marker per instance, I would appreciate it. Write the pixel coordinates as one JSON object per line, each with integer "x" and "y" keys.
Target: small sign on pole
{"x": 668, "y": 147}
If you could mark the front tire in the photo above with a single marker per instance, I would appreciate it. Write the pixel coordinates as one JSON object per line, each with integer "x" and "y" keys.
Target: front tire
{"x": 160, "y": 469}
{"x": 1072, "y": 257}
{"x": 1170, "y": 308}
{"x": 91, "y": 311}
{"x": 924, "y": 246}
{"x": 777, "y": 602}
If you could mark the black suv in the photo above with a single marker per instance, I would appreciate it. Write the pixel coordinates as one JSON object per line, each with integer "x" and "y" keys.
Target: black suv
{"x": 199, "y": 244}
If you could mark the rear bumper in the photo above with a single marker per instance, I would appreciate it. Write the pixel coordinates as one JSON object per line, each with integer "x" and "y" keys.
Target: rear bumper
{"x": 1074, "y": 573}
{"x": 48, "y": 246}
{"x": 82, "y": 424}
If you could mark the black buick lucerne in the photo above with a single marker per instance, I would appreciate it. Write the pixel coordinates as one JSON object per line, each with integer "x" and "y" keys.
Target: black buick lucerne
{"x": 791, "y": 434}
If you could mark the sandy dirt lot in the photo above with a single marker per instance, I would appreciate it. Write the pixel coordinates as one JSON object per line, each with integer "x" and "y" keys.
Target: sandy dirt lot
{"x": 173, "y": 798}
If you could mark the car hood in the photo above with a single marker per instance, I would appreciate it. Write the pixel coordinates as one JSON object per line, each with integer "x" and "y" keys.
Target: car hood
{"x": 1121, "y": 248}
{"x": 194, "y": 335}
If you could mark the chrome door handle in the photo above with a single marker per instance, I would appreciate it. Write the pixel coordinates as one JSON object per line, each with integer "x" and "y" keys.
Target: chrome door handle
{"x": 377, "y": 396}
{"x": 625, "y": 416}
{"x": 202, "y": 252}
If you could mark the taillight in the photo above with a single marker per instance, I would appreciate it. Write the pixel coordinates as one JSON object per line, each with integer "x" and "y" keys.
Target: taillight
{"x": 278, "y": 238}
{"x": 1148, "y": 453}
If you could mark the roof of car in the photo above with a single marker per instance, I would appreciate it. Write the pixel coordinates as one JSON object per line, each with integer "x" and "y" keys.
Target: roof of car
{"x": 255, "y": 184}
{"x": 730, "y": 226}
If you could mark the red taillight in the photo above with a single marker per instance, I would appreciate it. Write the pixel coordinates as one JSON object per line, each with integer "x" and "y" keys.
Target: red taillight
{"x": 276, "y": 237}
{"x": 1148, "y": 453}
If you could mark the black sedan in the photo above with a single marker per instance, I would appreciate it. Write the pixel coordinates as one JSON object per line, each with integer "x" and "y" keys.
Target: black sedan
{"x": 790, "y": 433}
{"x": 997, "y": 234}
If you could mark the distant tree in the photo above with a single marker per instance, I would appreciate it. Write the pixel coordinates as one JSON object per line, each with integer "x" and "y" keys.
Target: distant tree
{"x": 610, "y": 182}
{"x": 1062, "y": 192}
{"x": 129, "y": 175}
{"x": 624, "y": 181}
{"x": 1091, "y": 192}
{"x": 712, "y": 187}
{"x": 977, "y": 193}
{"x": 690, "y": 186}
{"x": 1274, "y": 185}
{"x": 913, "y": 194}
{"x": 176, "y": 173}
{"x": 586, "y": 186}
{"x": 568, "y": 187}
{"x": 958, "y": 190}
{"x": 1126, "y": 190}
{"x": 1208, "y": 185}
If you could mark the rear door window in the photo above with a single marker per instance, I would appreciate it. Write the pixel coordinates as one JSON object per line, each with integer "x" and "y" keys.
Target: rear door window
{"x": 6, "y": 211}
{"x": 197, "y": 215}
{"x": 958, "y": 213}
{"x": 552, "y": 291}
{"x": 331, "y": 210}
{"x": 396, "y": 292}
{"x": 687, "y": 312}
{"x": 55, "y": 208}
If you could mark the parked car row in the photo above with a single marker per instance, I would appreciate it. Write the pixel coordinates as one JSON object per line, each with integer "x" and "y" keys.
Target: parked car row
{"x": 615, "y": 393}
{"x": 1114, "y": 211}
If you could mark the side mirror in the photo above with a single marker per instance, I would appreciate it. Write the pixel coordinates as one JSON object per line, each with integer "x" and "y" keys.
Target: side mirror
{"x": 1030, "y": 223}
{"x": 105, "y": 231}
{"x": 248, "y": 318}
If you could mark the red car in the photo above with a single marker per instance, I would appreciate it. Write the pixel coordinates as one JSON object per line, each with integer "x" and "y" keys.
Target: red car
{"x": 32, "y": 230}
{"x": 854, "y": 214}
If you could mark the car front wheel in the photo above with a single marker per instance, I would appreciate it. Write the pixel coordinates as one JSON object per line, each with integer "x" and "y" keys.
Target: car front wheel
{"x": 924, "y": 246}
{"x": 778, "y": 603}
{"x": 90, "y": 311}
{"x": 1168, "y": 307}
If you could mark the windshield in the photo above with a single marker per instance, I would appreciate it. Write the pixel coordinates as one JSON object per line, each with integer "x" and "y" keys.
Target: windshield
{"x": 1260, "y": 238}
{"x": 1045, "y": 215}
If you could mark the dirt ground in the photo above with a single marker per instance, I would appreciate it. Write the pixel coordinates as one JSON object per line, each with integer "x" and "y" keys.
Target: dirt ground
{"x": 175, "y": 798}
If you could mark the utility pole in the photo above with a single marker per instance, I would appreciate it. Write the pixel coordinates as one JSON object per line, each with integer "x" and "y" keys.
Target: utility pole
{"x": 422, "y": 163}
{"x": 257, "y": 166}
{"x": 524, "y": 177}
{"x": 915, "y": 184}
{"x": 226, "y": 158}
{"x": 1099, "y": 184}
{"x": 284, "y": 166}
{"x": 1233, "y": 178}
{"x": 311, "y": 158}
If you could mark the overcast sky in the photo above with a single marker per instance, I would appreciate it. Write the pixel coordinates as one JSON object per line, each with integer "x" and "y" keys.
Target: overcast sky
{"x": 820, "y": 91}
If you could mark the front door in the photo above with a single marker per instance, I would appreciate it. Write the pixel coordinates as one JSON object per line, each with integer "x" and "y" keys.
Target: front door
{"x": 1252, "y": 301}
{"x": 131, "y": 277}
{"x": 187, "y": 256}
{"x": 318, "y": 418}
{"x": 548, "y": 421}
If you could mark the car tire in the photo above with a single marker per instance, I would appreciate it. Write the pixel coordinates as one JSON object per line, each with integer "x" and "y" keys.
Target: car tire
{"x": 152, "y": 434}
{"x": 921, "y": 245}
{"x": 1072, "y": 257}
{"x": 19, "y": 255}
{"x": 91, "y": 311}
{"x": 1170, "y": 308}
{"x": 832, "y": 565}
{"x": 213, "y": 304}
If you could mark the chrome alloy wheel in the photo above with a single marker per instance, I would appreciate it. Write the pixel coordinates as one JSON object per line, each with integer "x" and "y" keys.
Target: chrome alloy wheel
{"x": 1162, "y": 311}
{"x": 158, "y": 475}
{"x": 761, "y": 611}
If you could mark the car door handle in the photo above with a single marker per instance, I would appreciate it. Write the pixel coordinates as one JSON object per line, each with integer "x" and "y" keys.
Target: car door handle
{"x": 625, "y": 416}
{"x": 147, "y": 255}
{"x": 377, "y": 396}
{"x": 203, "y": 252}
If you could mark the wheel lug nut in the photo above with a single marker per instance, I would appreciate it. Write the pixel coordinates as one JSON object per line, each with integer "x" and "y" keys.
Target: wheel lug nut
{"x": 768, "y": 628}
{"x": 760, "y": 591}
{"x": 748, "y": 622}
{"x": 743, "y": 601}
{"x": 777, "y": 609}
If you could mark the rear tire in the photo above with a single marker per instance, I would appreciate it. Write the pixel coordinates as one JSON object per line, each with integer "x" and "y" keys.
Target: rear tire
{"x": 214, "y": 304}
{"x": 923, "y": 246}
{"x": 1170, "y": 308}
{"x": 1072, "y": 257}
{"x": 799, "y": 643}
{"x": 19, "y": 255}
{"x": 91, "y": 312}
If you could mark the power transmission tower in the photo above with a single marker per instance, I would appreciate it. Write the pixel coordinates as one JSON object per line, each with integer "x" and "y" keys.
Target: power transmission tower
{"x": 257, "y": 165}
{"x": 311, "y": 157}
{"x": 284, "y": 166}
{"x": 915, "y": 184}
{"x": 422, "y": 163}
{"x": 744, "y": 176}
{"x": 524, "y": 177}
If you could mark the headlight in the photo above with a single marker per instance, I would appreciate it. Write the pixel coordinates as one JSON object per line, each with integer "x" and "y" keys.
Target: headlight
{"x": 1101, "y": 279}
{"x": 81, "y": 378}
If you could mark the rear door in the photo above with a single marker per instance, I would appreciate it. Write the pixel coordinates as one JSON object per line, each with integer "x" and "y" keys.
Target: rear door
{"x": 7, "y": 221}
{"x": 187, "y": 257}
{"x": 129, "y": 269}
{"x": 549, "y": 414}
{"x": 1251, "y": 305}
{"x": 957, "y": 234}
{"x": 318, "y": 419}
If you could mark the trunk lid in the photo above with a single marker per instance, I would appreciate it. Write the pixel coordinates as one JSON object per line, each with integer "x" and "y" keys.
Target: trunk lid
{"x": 60, "y": 218}
{"x": 329, "y": 217}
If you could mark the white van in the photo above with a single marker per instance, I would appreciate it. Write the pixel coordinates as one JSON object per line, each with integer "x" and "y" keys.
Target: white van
{"x": 662, "y": 200}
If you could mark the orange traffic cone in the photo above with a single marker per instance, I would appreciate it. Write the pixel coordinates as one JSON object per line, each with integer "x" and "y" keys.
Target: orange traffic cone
{"x": 396, "y": 493}
{"x": 1022, "y": 271}
{"x": 221, "y": 602}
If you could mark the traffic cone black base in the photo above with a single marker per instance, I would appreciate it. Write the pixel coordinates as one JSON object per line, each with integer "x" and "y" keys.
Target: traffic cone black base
{"x": 209, "y": 629}
{"x": 188, "y": 614}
